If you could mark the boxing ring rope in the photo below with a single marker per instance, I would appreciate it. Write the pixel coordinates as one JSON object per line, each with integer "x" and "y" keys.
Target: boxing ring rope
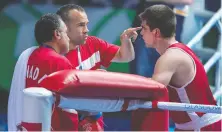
{"x": 90, "y": 104}
{"x": 83, "y": 104}
{"x": 217, "y": 56}
{"x": 43, "y": 99}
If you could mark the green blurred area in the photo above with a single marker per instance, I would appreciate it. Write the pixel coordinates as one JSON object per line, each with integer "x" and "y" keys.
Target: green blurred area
{"x": 8, "y": 32}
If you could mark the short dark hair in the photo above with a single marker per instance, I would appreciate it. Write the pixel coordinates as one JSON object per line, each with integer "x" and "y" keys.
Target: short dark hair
{"x": 45, "y": 27}
{"x": 63, "y": 11}
{"x": 161, "y": 17}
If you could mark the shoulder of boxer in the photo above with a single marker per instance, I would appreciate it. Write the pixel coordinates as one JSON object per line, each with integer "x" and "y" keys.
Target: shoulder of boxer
{"x": 173, "y": 56}
{"x": 169, "y": 61}
{"x": 166, "y": 67}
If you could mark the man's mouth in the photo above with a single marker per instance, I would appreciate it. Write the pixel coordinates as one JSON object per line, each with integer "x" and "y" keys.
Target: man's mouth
{"x": 85, "y": 37}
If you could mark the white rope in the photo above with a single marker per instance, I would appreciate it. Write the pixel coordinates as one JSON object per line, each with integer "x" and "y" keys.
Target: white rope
{"x": 190, "y": 107}
{"x": 114, "y": 105}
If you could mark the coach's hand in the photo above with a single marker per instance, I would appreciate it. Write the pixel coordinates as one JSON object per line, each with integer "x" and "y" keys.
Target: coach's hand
{"x": 129, "y": 34}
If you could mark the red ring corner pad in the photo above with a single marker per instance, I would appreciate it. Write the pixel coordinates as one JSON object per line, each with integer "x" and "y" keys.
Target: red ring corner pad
{"x": 88, "y": 83}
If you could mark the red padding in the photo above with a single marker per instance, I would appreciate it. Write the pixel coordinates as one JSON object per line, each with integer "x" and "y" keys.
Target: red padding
{"x": 125, "y": 105}
{"x": 154, "y": 104}
{"x": 88, "y": 83}
{"x": 25, "y": 126}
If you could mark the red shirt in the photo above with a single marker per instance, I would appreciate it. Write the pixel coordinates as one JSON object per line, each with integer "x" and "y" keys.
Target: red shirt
{"x": 42, "y": 62}
{"x": 94, "y": 54}
{"x": 197, "y": 91}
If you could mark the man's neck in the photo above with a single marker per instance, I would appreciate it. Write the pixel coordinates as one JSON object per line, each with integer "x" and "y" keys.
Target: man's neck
{"x": 53, "y": 45}
{"x": 72, "y": 46}
{"x": 162, "y": 45}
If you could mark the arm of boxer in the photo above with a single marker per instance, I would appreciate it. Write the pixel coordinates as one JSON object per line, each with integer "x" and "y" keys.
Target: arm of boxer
{"x": 165, "y": 67}
{"x": 126, "y": 52}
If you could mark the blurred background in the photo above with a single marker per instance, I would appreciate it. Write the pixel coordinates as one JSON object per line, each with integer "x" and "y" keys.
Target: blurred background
{"x": 108, "y": 18}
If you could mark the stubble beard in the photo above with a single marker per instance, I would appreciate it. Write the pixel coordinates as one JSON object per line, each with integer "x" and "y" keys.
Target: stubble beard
{"x": 74, "y": 44}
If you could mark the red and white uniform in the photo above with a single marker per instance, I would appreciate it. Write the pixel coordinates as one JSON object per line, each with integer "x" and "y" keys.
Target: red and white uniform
{"x": 94, "y": 54}
{"x": 197, "y": 91}
{"x": 91, "y": 56}
{"x": 42, "y": 62}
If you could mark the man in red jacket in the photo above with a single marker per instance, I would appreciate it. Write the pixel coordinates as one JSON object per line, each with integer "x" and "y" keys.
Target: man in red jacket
{"x": 35, "y": 64}
{"x": 90, "y": 52}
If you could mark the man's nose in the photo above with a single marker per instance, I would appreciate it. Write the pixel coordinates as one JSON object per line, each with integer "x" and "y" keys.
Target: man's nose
{"x": 86, "y": 30}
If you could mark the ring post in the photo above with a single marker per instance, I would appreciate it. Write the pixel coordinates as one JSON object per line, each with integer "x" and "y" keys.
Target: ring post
{"x": 37, "y": 109}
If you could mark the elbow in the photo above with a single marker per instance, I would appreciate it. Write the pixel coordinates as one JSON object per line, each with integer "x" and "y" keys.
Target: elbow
{"x": 129, "y": 58}
{"x": 132, "y": 58}
{"x": 126, "y": 60}
{"x": 126, "y": 57}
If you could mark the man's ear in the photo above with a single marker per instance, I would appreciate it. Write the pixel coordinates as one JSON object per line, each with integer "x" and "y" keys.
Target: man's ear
{"x": 57, "y": 34}
{"x": 157, "y": 32}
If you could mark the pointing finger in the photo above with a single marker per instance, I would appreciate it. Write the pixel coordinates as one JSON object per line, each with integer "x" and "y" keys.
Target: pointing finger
{"x": 136, "y": 28}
